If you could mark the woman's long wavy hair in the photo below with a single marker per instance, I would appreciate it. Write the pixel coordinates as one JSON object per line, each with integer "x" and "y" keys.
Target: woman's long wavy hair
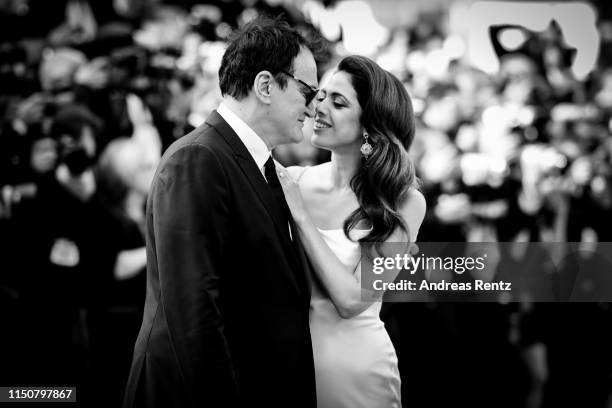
{"x": 382, "y": 182}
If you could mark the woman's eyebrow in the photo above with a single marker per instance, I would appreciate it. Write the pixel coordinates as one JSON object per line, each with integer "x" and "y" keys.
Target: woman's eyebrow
{"x": 334, "y": 94}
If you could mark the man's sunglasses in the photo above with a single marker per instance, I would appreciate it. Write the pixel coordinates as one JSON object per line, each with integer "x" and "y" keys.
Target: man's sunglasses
{"x": 309, "y": 91}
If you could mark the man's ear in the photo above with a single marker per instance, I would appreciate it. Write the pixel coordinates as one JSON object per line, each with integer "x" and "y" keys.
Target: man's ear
{"x": 262, "y": 86}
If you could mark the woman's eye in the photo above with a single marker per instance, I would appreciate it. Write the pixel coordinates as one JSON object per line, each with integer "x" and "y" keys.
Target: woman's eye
{"x": 339, "y": 104}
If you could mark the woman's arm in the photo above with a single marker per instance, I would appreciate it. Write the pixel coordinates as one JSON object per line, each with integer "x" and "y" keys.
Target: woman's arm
{"x": 342, "y": 283}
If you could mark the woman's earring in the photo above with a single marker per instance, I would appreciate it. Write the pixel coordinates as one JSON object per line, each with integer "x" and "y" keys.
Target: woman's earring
{"x": 366, "y": 147}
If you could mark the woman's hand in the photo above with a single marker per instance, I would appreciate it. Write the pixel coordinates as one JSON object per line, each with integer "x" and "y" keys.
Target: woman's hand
{"x": 293, "y": 196}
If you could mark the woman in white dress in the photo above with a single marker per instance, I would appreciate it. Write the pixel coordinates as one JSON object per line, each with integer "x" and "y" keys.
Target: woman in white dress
{"x": 365, "y": 194}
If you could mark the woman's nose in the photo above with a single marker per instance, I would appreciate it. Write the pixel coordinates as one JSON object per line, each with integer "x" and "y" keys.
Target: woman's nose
{"x": 319, "y": 107}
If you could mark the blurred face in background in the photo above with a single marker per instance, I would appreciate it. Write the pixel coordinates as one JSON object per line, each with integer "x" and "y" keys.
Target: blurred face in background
{"x": 58, "y": 67}
{"x": 518, "y": 72}
{"x": 604, "y": 94}
{"x": 337, "y": 120}
{"x": 43, "y": 157}
{"x": 443, "y": 114}
{"x": 135, "y": 166}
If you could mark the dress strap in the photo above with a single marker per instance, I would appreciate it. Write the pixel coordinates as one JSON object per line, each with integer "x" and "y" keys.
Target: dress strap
{"x": 299, "y": 177}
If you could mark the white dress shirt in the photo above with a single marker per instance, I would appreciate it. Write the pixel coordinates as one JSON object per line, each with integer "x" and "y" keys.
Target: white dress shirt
{"x": 254, "y": 144}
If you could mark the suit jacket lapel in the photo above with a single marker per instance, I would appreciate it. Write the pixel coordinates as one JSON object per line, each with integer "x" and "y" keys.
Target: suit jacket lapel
{"x": 302, "y": 258}
{"x": 259, "y": 184}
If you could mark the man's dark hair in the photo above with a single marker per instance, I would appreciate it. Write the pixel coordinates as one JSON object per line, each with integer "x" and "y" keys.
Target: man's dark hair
{"x": 263, "y": 44}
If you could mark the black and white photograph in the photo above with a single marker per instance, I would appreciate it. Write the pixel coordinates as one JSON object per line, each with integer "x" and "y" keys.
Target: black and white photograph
{"x": 306, "y": 203}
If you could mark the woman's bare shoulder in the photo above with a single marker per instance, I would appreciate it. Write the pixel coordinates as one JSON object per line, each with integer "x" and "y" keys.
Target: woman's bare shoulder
{"x": 303, "y": 173}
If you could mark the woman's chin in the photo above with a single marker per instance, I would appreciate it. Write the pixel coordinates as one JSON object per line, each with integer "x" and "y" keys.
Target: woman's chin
{"x": 318, "y": 141}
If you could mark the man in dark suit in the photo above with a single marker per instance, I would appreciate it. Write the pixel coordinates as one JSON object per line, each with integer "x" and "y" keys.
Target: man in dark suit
{"x": 226, "y": 312}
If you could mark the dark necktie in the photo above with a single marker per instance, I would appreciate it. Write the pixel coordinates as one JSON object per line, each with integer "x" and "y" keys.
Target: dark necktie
{"x": 277, "y": 191}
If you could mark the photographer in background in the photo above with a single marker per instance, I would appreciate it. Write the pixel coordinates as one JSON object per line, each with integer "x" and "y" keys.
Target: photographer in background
{"x": 51, "y": 247}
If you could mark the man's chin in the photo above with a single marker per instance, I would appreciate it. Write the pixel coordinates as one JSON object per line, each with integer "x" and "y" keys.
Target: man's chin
{"x": 297, "y": 138}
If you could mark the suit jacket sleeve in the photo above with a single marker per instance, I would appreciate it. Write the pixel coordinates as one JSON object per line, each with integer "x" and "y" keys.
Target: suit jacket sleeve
{"x": 190, "y": 217}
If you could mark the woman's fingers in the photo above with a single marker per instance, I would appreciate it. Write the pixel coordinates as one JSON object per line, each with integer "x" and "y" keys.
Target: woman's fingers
{"x": 283, "y": 176}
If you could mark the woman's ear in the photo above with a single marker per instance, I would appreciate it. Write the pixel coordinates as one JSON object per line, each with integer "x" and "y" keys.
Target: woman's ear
{"x": 262, "y": 86}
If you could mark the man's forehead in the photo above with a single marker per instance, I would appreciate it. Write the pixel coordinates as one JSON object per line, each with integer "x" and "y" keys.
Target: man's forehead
{"x": 305, "y": 67}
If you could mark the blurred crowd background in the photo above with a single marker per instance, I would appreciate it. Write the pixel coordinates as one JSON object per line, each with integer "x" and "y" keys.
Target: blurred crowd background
{"x": 513, "y": 147}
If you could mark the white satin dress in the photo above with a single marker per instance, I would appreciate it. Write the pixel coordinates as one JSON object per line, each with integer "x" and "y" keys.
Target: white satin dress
{"x": 355, "y": 361}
